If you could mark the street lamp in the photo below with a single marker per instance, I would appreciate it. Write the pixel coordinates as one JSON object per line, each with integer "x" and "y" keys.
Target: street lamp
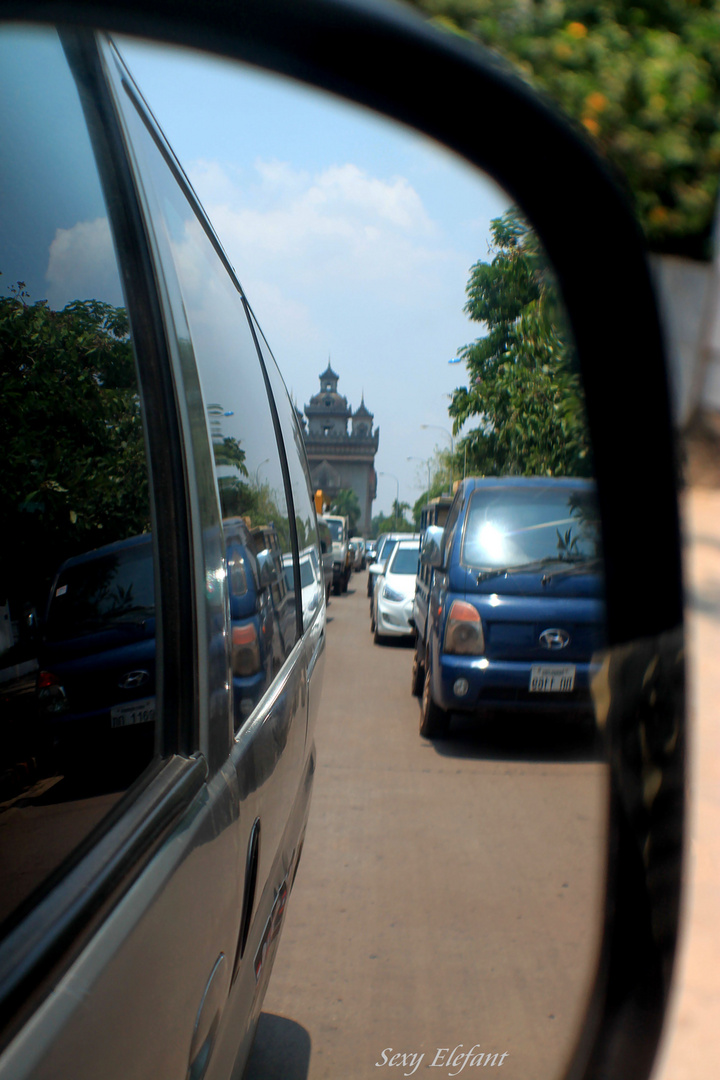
{"x": 397, "y": 498}
{"x": 257, "y": 472}
{"x": 436, "y": 427}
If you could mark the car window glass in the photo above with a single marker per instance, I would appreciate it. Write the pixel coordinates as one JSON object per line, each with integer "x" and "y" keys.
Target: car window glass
{"x": 305, "y": 518}
{"x": 77, "y": 572}
{"x": 450, "y": 525}
{"x": 404, "y": 561}
{"x": 248, "y": 467}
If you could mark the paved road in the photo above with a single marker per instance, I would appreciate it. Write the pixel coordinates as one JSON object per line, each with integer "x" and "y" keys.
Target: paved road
{"x": 447, "y": 893}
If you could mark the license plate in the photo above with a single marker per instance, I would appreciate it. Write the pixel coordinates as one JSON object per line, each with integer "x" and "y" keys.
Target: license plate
{"x": 135, "y": 712}
{"x": 552, "y": 678}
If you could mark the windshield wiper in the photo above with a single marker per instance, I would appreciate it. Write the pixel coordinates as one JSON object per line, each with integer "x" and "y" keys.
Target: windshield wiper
{"x": 567, "y": 564}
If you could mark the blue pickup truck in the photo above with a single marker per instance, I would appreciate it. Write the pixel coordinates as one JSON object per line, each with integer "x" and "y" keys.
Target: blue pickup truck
{"x": 515, "y": 611}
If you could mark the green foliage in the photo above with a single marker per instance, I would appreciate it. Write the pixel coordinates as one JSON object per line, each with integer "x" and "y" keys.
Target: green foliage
{"x": 393, "y": 522}
{"x": 524, "y": 388}
{"x": 74, "y": 474}
{"x": 346, "y": 504}
{"x": 642, "y": 78}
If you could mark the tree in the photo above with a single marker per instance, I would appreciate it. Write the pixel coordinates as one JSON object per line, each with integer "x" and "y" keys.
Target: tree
{"x": 74, "y": 466}
{"x": 346, "y": 504}
{"x": 642, "y": 78}
{"x": 524, "y": 387}
{"x": 382, "y": 523}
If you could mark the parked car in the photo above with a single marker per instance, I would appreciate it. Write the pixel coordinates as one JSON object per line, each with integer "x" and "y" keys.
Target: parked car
{"x": 359, "y": 545}
{"x": 393, "y": 597}
{"x": 326, "y": 555}
{"x": 516, "y": 609}
{"x": 310, "y": 581}
{"x": 435, "y": 512}
{"x": 160, "y": 793}
{"x": 385, "y": 548}
{"x": 341, "y": 550}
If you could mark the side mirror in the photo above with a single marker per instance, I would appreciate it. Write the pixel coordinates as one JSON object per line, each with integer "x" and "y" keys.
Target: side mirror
{"x": 431, "y": 552}
{"x": 266, "y": 569}
{"x": 383, "y": 58}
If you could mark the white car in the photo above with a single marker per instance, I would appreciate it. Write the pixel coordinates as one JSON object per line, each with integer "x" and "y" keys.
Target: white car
{"x": 359, "y": 544}
{"x": 310, "y": 582}
{"x": 394, "y": 593}
{"x": 385, "y": 546}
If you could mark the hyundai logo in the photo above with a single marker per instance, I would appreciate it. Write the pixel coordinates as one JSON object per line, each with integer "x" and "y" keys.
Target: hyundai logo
{"x": 554, "y": 639}
{"x": 133, "y": 679}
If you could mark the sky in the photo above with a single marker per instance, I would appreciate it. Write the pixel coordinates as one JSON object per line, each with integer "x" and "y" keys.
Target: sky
{"x": 353, "y": 239}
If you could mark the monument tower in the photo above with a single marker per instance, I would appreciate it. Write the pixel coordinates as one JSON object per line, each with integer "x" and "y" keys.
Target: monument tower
{"x": 340, "y": 458}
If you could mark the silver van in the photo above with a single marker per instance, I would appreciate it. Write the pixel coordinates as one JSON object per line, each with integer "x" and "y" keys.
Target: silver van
{"x": 158, "y": 727}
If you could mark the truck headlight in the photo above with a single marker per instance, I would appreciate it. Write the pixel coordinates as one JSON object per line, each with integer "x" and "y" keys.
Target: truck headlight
{"x": 464, "y": 630}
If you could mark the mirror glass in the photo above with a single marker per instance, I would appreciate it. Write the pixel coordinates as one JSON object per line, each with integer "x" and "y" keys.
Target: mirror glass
{"x": 450, "y": 897}
{"x": 449, "y": 906}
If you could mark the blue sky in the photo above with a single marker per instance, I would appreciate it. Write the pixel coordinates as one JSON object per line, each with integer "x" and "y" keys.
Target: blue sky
{"x": 352, "y": 237}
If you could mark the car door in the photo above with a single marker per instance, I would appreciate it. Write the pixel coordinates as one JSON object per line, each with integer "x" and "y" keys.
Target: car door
{"x": 121, "y": 866}
{"x": 271, "y": 762}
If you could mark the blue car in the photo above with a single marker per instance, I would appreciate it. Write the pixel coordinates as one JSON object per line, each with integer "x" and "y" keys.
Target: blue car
{"x": 516, "y": 609}
{"x": 96, "y": 686}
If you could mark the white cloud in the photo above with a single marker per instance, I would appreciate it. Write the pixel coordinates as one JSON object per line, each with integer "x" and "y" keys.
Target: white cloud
{"x": 334, "y": 228}
{"x": 82, "y": 265}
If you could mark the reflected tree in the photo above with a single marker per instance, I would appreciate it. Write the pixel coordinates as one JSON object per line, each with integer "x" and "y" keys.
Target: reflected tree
{"x": 524, "y": 393}
{"x": 74, "y": 461}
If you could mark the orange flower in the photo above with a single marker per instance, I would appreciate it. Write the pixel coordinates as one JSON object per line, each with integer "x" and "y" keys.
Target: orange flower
{"x": 596, "y": 101}
{"x": 577, "y": 30}
{"x": 591, "y": 124}
{"x": 659, "y": 215}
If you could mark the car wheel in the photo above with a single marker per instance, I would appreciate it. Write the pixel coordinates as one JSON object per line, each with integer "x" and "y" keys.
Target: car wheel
{"x": 418, "y": 671}
{"x": 434, "y": 721}
{"x": 336, "y": 588}
{"x": 378, "y": 639}
{"x": 372, "y": 621}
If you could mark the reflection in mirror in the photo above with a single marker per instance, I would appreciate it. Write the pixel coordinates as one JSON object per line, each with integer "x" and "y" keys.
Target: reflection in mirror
{"x": 451, "y": 889}
{"x": 77, "y": 574}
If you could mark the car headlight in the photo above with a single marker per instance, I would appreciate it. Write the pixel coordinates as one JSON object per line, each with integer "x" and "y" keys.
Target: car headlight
{"x": 463, "y": 630}
{"x": 390, "y": 594}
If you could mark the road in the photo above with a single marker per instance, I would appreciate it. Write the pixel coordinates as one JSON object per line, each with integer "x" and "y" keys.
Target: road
{"x": 448, "y": 893}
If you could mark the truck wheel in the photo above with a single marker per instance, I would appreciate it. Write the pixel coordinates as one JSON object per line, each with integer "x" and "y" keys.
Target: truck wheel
{"x": 336, "y": 588}
{"x": 434, "y": 721}
{"x": 345, "y": 583}
{"x": 418, "y": 671}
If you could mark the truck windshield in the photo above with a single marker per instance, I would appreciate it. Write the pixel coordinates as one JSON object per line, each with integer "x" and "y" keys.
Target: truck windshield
{"x": 509, "y": 527}
{"x": 336, "y": 530}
